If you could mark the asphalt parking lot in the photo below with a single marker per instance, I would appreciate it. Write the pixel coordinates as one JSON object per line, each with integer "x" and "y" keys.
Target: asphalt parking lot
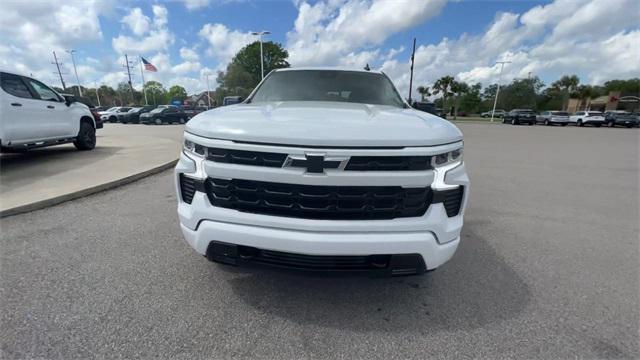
{"x": 547, "y": 268}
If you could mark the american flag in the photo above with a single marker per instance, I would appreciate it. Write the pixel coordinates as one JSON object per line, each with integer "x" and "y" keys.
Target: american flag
{"x": 148, "y": 66}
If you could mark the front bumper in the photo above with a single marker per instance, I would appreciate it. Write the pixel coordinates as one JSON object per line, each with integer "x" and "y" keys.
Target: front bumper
{"x": 434, "y": 236}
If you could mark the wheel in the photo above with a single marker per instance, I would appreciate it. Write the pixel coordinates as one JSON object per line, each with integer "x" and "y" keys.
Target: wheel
{"x": 86, "y": 139}
{"x": 610, "y": 124}
{"x": 182, "y": 121}
{"x": 513, "y": 121}
{"x": 597, "y": 125}
{"x": 629, "y": 126}
{"x": 579, "y": 123}
{"x": 532, "y": 123}
{"x": 158, "y": 122}
{"x": 504, "y": 121}
{"x": 564, "y": 124}
{"x": 113, "y": 119}
{"x": 546, "y": 122}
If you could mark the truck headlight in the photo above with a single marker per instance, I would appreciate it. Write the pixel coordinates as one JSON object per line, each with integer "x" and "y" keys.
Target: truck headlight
{"x": 448, "y": 158}
{"x": 194, "y": 149}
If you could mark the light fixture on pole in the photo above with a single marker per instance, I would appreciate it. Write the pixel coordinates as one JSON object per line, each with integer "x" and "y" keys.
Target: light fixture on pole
{"x": 495, "y": 102}
{"x": 73, "y": 60}
{"x": 260, "y": 33}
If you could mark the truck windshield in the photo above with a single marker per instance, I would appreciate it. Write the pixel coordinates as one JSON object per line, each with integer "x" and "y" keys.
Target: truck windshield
{"x": 328, "y": 85}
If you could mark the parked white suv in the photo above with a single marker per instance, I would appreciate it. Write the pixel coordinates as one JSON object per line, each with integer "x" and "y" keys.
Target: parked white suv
{"x": 34, "y": 115}
{"x": 581, "y": 118}
{"x": 323, "y": 170}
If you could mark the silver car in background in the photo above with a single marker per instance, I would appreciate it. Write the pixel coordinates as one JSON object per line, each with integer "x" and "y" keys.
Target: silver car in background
{"x": 553, "y": 117}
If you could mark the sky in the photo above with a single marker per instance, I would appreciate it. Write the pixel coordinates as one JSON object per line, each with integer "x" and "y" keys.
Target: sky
{"x": 598, "y": 40}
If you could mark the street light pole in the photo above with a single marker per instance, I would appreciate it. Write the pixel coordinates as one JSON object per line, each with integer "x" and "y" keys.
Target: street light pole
{"x": 495, "y": 102}
{"x": 208, "y": 91}
{"x": 260, "y": 33}
{"x": 73, "y": 60}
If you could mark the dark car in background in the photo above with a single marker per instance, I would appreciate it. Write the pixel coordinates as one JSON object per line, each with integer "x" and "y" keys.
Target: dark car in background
{"x": 164, "y": 114}
{"x": 426, "y": 107}
{"x": 520, "y": 116}
{"x": 133, "y": 116}
{"x": 553, "y": 117}
{"x": 193, "y": 111}
{"x": 620, "y": 118}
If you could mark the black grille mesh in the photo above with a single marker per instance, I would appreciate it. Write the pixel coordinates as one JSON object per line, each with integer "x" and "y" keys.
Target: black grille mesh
{"x": 356, "y": 163}
{"x": 452, "y": 201}
{"x": 318, "y": 202}
{"x": 187, "y": 188}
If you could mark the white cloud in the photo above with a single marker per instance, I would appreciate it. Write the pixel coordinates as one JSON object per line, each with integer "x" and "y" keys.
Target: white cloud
{"x": 186, "y": 67}
{"x": 547, "y": 41}
{"x": 224, "y": 43}
{"x": 195, "y": 4}
{"x": 137, "y": 22}
{"x": 189, "y": 54}
{"x": 158, "y": 38}
{"x": 328, "y": 31}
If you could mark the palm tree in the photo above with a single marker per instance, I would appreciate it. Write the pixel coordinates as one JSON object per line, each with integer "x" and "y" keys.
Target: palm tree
{"x": 424, "y": 92}
{"x": 458, "y": 89}
{"x": 443, "y": 85}
{"x": 568, "y": 84}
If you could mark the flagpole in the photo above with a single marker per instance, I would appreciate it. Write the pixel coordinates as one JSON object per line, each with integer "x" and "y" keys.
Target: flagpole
{"x": 143, "y": 88}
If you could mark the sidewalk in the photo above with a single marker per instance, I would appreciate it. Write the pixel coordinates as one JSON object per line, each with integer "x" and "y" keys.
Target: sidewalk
{"x": 47, "y": 176}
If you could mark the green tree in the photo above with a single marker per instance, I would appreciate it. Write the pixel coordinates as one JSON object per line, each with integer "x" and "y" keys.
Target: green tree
{"x": 567, "y": 84}
{"x": 156, "y": 94}
{"x": 443, "y": 85}
{"x": 521, "y": 93}
{"x": 424, "y": 92}
{"x": 458, "y": 88}
{"x": 471, "y": 100}
{"x": 248, "y": 58}
{"x": 628, "y": 87}
{"x": 243, "y": 73}
{"x": 177, "y": 92}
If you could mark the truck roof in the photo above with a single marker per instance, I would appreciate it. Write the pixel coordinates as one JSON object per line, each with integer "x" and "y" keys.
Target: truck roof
{"x": 327, "y": 69}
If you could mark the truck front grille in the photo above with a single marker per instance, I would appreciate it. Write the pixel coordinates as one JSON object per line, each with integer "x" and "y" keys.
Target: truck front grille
{"x": 319, "y": 202}
{"x": 356, "y": 163}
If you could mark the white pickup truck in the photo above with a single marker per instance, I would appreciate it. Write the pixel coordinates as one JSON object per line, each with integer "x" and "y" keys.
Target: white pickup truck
{"x": 34, "y": 115}
{"x": 323, "y": 170}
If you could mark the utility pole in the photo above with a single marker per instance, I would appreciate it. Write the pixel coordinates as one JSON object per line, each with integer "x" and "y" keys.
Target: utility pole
{"x": 55, "y": 58}
{"x": 260, "y": 33}
{"x": 208, "y": 91}
{"x": 413, "y": 55}
{"x": 126, "y": 64}
{"x": 73, "y": 60}
{"x": 495, "y": 102}
{"x": 97, "y": 94}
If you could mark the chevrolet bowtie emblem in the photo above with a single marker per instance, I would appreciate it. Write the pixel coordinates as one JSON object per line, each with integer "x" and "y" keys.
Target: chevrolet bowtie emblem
{"x": 314, "y": 163}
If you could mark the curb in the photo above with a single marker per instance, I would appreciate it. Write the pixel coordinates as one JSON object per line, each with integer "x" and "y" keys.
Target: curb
{"x": 84, "y": 192}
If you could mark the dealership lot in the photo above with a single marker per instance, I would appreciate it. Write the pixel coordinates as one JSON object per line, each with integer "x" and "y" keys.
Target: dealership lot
{"x": 547, "y": 268}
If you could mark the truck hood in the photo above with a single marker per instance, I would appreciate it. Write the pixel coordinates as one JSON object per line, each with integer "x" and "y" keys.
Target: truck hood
{"x": 310, "y": 123}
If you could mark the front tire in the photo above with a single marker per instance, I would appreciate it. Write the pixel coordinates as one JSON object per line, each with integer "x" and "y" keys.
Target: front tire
{"x": 182, "y": 121}
{"x": 513, "y": 122}
{"x": 610, "y": 124}
{"x": 579, "y": 123}
{"x": 546, "y": 122}
{"x": 86, "y": 139}
{"x": 158, "y": 122}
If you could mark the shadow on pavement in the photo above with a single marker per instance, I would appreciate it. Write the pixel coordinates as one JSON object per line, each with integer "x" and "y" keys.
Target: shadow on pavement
{"x": 475, "y": 288}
